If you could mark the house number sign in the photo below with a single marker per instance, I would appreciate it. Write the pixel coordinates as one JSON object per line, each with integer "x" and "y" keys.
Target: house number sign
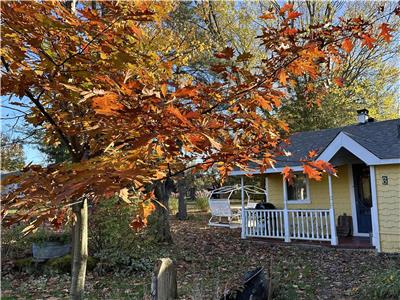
{"x": 385, "y": 180}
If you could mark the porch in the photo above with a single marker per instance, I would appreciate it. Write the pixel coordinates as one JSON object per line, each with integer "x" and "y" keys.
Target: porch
{"x": 351, "y": 242}
{"x": 312, "y": 225}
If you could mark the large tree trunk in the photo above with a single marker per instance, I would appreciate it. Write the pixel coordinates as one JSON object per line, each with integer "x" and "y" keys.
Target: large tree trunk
{"x": 160, "y": 223}
{"x": 182, "y": 210}
{"x": 79, "y": 249}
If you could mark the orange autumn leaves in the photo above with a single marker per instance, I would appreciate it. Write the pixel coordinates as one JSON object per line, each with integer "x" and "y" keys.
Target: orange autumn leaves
{"x": 131, "y": 120}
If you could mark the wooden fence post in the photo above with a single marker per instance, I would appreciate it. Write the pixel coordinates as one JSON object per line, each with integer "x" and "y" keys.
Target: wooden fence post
{"x": 163, "y": 282}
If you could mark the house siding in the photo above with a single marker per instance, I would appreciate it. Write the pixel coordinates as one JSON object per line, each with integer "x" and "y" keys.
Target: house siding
{"x": 388, "y": 199}
{"x": 319, "y": 193}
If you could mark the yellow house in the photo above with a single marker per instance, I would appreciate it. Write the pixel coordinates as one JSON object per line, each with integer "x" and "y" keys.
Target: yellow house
{"x": 364, "y": 196}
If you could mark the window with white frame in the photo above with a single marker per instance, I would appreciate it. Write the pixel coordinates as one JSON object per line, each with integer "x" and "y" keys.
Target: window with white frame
{"x": 298, "y": 192}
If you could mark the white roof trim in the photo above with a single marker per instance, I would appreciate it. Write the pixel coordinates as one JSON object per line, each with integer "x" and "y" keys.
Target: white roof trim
{"x": 342, "y": 140}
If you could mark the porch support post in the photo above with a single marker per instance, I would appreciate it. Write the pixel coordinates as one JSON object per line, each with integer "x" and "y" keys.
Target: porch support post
{"x": 334, "y": 239}
{"x": 374, "y": 211}
{"x": 285, "y": 212}
{"x": 243, "y": 214}
{"x": 266, "y": 189}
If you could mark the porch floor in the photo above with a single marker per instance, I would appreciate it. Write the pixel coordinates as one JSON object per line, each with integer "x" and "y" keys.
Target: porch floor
{"x": 352, "y": 242}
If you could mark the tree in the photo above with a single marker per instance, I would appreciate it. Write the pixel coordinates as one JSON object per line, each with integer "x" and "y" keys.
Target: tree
{"x": 366, "y": 78}
{"x": 129, "y": 120}
{"x": 12, "y": 154}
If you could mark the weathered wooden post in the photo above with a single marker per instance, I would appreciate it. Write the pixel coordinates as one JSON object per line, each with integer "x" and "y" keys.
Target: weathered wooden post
{"x": 163, "y": 282}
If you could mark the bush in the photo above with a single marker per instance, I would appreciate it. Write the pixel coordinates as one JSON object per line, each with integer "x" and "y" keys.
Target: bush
{"x": 202, "y": 200}
{"x": 13, "y": 244}
{"x": 383, "y": 286}
{"x": 115, "y": 246}
{"x": 63, "y": 264}
{"x": 173, "y": 204}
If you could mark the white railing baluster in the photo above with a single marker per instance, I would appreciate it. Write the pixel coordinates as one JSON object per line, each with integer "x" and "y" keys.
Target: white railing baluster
{"x": 322, "y": 225}
{"x": 327, "y": 225}
{"x": 298, "y": 224}
{"x": 281, "y": 221}
{"x": 269, "y": 224}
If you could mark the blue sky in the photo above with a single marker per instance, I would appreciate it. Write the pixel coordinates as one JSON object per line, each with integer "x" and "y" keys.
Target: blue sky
{"x": 8, "y": 121}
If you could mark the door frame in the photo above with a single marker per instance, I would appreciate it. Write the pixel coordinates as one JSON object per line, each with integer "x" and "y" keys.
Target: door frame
{"x": 376, "y": 240}
{"x": 353, "y": 204}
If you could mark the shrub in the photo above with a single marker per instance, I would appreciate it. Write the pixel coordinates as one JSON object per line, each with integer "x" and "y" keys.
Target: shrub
{"x": 13, "y": 244}
{"x": 115, "y": 246}
{"x": 63, "y": 264}
{"x": 47, "y": 235}
{"x": 385, "y": 285}
{"x": 202, "y": 200}
{"x": 173, "y": 204}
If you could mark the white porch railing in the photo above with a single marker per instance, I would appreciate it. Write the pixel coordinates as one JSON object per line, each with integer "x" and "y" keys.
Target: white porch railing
{"x": 265, "y": 223}
{"x": 310, "y": 224}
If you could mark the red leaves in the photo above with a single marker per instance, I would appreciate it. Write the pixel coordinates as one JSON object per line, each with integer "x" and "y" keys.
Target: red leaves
{"x": 385, "y": 32}
{"x": 175, "y": 111}
{"x": 268, "y": 16}
{"x": 339, "y": 81}
{"x": 293, "y": 15}
{"x": 186, "y": 92}
{"x": 227, "y": 53}
{"x": 145, "y": 209}
{"x": 288, "y": 174}
{"x": 368, "y": 41}
{"x": 347, "y": 45}
{"x": 286, "y": 7}
{"x": 312, "y": 173}
{"x": 312, "y": 153}
{"x": 107, "y": 105}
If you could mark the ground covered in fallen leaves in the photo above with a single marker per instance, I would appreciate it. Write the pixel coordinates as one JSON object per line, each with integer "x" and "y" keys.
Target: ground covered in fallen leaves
{"x": 211, "y": 260}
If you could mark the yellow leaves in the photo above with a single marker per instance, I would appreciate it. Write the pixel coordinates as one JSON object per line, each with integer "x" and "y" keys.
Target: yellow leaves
{"x": 134, "y": 29}
{"x": 282, "y": 76}
{"x": 103, "y": 55}
{"x": 213, "y": 142}
{"x": 107, "y": 105}
{"x": 347, "y": 45}
{"x": 145, "y": 209}
{"x": 263, "y": 103}
{"x": 124, "y": 195}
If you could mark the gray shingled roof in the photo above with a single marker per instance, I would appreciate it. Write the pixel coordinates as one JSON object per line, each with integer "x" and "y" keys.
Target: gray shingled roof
{"x": 380, "y": 138}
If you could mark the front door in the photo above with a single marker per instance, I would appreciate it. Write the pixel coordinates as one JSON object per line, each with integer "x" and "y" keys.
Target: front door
{"x": 363, "y": 198}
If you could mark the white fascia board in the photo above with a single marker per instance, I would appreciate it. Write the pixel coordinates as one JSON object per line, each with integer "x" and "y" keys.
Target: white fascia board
{"x": 342, "y": 140}
{"x": 268, "y": 171}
